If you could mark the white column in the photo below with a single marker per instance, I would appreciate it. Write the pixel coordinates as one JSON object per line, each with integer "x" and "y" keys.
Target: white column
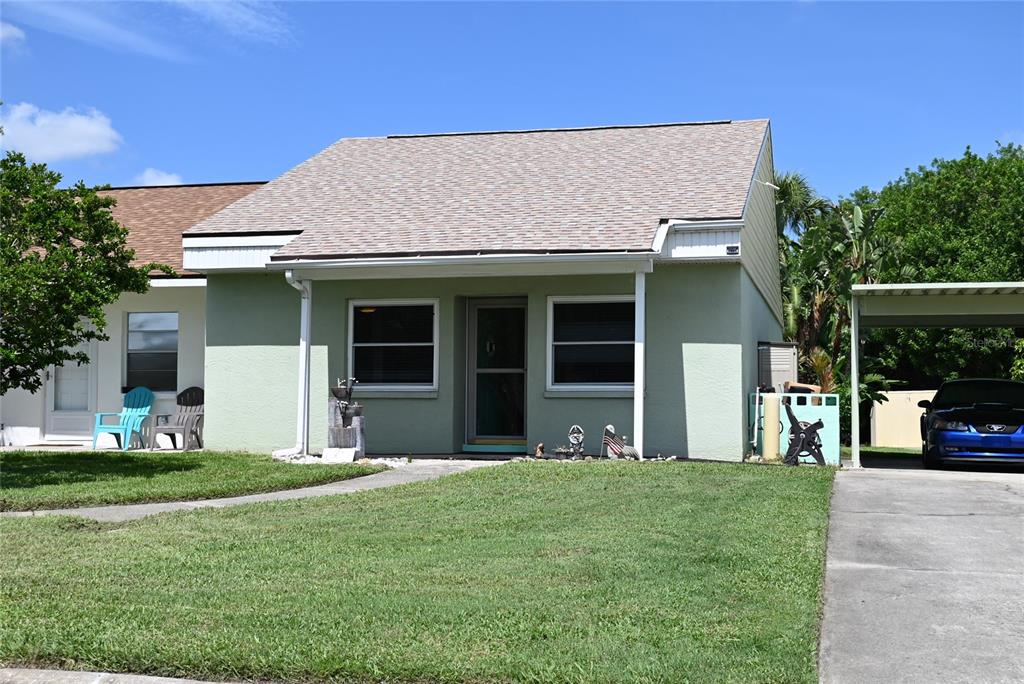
{"x": 639, "y": 336}
{"x": 302, "y": 412}
{"x": 855, "y": 379}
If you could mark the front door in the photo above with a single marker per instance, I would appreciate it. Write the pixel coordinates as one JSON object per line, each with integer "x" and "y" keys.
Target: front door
{"x": 71, "y": 398}
{"x": 496, "y": 401}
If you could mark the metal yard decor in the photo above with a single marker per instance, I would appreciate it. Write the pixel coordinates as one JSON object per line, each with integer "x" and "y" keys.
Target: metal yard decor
{"x": 576, "y": 441}
{"x": 808, "y": 434}
{"x": 803, "y": 440}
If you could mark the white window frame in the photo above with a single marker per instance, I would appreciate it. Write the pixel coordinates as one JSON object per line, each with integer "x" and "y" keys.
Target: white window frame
{"x": 353, "y": 304}
{"x": 125, "y": 352}
{"x": 550, "y": 384}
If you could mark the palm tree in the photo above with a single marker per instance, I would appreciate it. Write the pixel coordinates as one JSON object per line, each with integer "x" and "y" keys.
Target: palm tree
{"x": 797, "y": 208}
{"x": 824, "y": 250}
{"x": 796, "y": 204}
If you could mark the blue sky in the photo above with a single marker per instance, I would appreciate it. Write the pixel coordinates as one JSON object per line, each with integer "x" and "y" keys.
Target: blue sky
{"x": 222, "y": 91}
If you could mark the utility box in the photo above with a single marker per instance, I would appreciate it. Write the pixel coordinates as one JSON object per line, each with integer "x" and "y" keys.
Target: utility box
{"x": 776, "y": 364}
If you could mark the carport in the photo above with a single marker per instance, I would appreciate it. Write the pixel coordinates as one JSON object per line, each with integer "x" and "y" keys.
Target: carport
{"x": 926, "y": 305}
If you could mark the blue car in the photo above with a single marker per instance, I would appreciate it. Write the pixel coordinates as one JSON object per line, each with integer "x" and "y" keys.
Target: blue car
{"x": 974, "y": 421}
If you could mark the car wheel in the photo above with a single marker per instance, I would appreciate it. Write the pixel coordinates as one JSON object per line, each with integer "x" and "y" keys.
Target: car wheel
{"x": 929, "y": 461}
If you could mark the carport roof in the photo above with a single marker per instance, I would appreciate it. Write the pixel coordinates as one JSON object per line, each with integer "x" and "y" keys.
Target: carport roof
{"x": 938, "y": 305}
{"x": 926, "y": 305}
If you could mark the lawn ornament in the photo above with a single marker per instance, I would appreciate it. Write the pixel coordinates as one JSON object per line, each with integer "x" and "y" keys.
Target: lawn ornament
{"x": 346, "y": 428}
{"x": 803, "y": 439}
{"x": 612, "y": 442}
{"x": 630, "y": 453}
{"x": 576, "y": 441}
{"x": 617, "y": 446}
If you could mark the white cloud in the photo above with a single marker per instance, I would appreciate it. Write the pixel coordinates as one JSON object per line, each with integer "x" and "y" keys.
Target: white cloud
{"x": 147, "y": 28}
{"x": 153, "y": 176}
{"x": 11, "y": 35}
{"x": 102, "y": 24}
{"x": 42, "y": 135}
{"x": 248, "y": 19}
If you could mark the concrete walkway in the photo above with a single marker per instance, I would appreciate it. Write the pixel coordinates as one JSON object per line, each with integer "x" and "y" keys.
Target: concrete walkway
{"x": 924, "y": 578}
{"x": 27, "y": 676}
{"x": 417, "y": 471}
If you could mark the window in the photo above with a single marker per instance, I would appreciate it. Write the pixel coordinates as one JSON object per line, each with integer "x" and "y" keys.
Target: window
{"x": 393, "y": 344}
{"x": 152, "y": 357}
{"x": 591, "y": 342}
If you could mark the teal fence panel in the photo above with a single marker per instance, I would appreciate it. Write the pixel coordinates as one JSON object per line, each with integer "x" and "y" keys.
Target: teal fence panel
{"x": 807, "y": 408}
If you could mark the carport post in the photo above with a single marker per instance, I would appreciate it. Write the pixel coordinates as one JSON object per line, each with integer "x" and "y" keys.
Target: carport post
{"x": 855, "y": 379}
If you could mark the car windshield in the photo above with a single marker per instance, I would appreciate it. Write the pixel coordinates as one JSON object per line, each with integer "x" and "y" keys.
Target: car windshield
{"x": 967, "y": 392}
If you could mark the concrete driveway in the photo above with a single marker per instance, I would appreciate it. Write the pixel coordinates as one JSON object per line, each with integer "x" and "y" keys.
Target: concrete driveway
{"x": 924, "y": 580}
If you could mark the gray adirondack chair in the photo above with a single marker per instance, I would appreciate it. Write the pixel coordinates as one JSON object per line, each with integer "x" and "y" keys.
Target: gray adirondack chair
{"x": 186, "y": 421}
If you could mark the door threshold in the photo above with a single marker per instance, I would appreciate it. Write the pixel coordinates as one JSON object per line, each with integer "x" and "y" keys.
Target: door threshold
{"x": 494, "y": 448}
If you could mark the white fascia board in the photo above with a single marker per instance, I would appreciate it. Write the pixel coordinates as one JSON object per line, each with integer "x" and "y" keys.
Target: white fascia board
{"x": 700, "y": 241}
{"x": 714, "y": 224}
{"x": 177, "y": 282}
{"x": 475, "y": 265}
{"x": 659, "y": 237}
{"x": 1010, "y": 287}
{"x": 199, "y": 241}
{"x": 230, "y": 253}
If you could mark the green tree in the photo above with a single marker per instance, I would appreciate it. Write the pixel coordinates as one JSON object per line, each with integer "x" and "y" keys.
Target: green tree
{"x": 1017, "y": 369}
{"x": 826, "y": 249}
{"x": 959, "y": 220}
{"x": 64, "y": 258}
{"x": 797, "y": 206}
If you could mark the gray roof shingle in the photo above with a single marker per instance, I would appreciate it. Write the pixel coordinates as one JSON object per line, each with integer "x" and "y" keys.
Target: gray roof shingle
{"x": 578, "y": 190}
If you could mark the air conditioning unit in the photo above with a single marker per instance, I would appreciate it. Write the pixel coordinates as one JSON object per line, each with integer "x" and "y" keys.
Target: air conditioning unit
{"x": 777, "y": 364}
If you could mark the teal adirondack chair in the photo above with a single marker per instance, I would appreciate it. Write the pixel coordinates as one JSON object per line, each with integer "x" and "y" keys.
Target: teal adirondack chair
{"x": 137, "y": 404}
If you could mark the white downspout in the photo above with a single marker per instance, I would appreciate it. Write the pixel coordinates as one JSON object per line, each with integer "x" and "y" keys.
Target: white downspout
{"x": 855, "y": 380}
{"x": 639, "y": 336}
{"x": 305, "y": 289}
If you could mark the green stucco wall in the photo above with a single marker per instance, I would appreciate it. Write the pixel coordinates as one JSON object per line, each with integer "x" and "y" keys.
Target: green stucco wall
{"x": 696, "y": 354}
{"x": 252, "y": 360}
{"x": 758, "y": 324}
{"x": 693, "y": 361}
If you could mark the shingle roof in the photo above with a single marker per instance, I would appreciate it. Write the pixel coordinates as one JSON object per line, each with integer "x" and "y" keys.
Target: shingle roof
{"x": 156, "y": 216}
{"x": 594, "y": 189}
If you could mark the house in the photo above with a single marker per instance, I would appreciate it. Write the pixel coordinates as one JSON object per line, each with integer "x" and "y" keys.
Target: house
{"x": 156, "y": 339}
{"x": 489, "y": 290}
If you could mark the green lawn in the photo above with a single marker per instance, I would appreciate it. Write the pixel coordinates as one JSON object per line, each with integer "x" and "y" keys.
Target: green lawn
{"x": 527, "y": 572}
{"x": 64, "y": 479}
